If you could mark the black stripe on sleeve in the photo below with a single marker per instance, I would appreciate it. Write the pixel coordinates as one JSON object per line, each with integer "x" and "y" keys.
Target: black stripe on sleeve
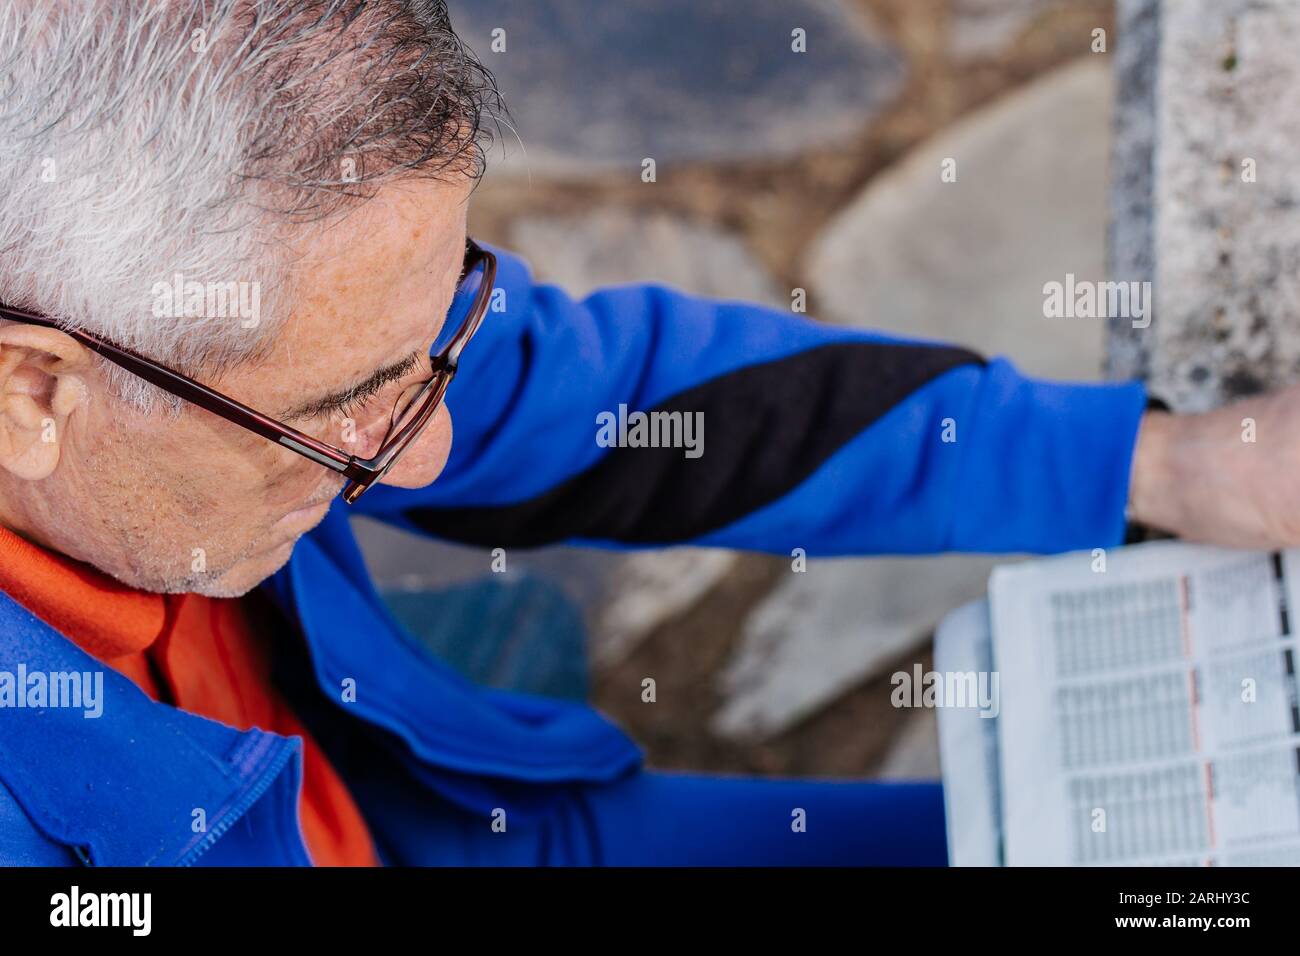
{"x": 767, "y": 428}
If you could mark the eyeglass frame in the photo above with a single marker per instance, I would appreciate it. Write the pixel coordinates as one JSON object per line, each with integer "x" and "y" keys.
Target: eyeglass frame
{"x": 361, "y": 473}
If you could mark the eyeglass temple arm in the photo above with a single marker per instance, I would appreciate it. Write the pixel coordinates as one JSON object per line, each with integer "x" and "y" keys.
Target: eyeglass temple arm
{"x": 198, "y": 394}
{"x": 451, "y": 355}
{"x": 240, "y": 414}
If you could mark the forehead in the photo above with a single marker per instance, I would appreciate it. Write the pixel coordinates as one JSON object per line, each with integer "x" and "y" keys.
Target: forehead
{"x": 404, "y": 222}
{"x": 367, "y": 288}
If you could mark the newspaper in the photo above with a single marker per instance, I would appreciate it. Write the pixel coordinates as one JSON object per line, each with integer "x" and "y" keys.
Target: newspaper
{"x": 1149, "y": 710}
{"x": 968, "y": 744}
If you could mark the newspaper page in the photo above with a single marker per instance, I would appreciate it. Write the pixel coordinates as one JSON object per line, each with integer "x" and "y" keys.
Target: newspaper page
{"x": 1148, "y": 707}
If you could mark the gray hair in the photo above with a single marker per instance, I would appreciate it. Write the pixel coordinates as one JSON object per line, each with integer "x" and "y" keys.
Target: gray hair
{"x": 142, "y": 140}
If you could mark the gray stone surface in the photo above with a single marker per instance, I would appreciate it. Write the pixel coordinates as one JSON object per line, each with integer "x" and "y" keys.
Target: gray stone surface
{"x": 1227, "y": 252}
{"x": 594, "y": 85}
{"x": 615, "y": 246}
{"x": 915, "y": 754}
{"x": 649, "y": 588}
{"x": 822, "y": 631}
{"x": 984, "y": 28}
{"x": 966, "y": 261}
{"x": 401, "y": 561}
{"x": 1130, "y": 245}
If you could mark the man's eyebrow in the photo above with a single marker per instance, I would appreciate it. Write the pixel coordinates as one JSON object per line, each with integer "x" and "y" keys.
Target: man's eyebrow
{"x": 361, "y": 390}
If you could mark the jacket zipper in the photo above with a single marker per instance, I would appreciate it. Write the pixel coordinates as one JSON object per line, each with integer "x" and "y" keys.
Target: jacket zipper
{"x": 244, "y": 804}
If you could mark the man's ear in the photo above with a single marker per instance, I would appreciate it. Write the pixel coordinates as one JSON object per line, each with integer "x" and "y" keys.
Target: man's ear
{"x": 43, "y": 377}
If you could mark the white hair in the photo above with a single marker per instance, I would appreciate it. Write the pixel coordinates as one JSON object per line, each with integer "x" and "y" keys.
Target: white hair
{"x": 145, "y": 139}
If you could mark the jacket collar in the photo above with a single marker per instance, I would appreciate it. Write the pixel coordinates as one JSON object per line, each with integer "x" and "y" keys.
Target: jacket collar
{"x": 122, "y": 789}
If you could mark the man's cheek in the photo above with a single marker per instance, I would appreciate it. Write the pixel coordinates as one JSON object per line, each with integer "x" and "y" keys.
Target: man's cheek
{"x": 439, "y": 453}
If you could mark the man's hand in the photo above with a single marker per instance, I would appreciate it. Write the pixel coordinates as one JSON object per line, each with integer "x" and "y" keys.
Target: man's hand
{"x": 1229, "y": 477}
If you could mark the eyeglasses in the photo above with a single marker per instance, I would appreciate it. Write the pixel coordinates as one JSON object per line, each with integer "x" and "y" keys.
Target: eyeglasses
{"x": 412, "y": 411}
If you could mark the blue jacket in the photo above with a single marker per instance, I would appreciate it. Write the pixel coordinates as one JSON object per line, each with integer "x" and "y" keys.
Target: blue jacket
{"x": 828, "y": 439}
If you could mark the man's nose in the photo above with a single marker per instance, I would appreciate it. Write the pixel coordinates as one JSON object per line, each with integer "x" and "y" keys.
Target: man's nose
{"x": 424, "y": 459}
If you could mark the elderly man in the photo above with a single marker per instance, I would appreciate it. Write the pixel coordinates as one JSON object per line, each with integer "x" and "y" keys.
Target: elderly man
{"x": 237, "y": 285}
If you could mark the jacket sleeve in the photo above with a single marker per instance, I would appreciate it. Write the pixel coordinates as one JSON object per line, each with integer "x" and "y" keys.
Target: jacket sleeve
{"x": 783, "y": 433}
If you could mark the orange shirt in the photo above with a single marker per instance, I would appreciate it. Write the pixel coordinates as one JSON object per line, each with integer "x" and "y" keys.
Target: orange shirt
{"x": 201, "y": 654}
